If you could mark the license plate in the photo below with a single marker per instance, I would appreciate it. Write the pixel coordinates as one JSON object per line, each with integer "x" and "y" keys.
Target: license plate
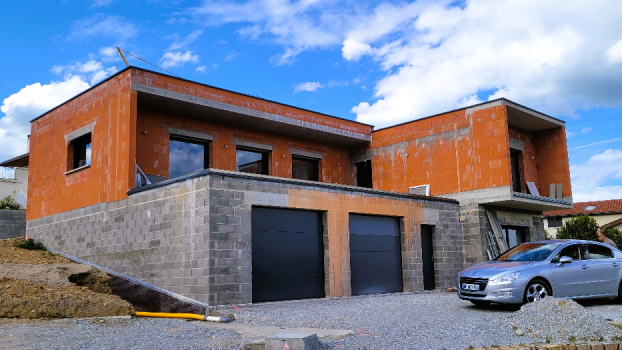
{"x": 467, "y": 286}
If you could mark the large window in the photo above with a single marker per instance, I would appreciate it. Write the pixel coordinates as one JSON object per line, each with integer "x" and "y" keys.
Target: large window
{"x": 79, "y": 152}
{"x": 515, "y": 157}
{"x": 254, "y": 161}
{"x": 363, "y": 174}
{"x": 305, "y": 168}
{"x": 187, "y": 156}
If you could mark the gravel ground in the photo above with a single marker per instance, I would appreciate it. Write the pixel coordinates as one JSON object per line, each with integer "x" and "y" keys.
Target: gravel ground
{"x": 431, "y": 320}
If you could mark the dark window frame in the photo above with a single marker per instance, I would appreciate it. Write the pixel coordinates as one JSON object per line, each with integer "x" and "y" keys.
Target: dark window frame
{"x": 315, "y": 176}
{"x": 361, "y": 179}
{"x": 265, "y": 158}
{"x": 207, "y": 146}
{"x": 77, "y": 149}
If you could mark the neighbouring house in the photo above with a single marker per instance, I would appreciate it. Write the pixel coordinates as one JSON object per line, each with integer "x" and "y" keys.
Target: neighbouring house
{"x": 219, "y": 195}
{"x": 14, "y": 183}
{"x": 606, "y": 213}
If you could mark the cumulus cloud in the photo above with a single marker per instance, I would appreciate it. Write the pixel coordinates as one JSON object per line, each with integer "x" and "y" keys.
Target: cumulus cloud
{"x": 100, "y": 3}
{"x": 596, "y": 179}
{"x": 29, "y": 103}
{"x": 308, "y": 86}
{"x": 231, "y": 56}
{"x": 180, "y": 43}
{"x": 174, "y": 59}
{"x": 556, "y": 56}
{"x": 91, "y": 70}
{"x": 103, "y": 26}
{"x": 577, "y": 133}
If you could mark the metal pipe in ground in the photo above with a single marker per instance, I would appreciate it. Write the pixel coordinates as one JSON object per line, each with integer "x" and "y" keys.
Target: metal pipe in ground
{"x": 182, "y": 315}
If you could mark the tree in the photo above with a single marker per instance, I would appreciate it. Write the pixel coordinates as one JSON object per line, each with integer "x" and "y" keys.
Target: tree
{"x": 581, "y": 227}
{"x": 615, "y": 235}
{"x": 9, "y": 203}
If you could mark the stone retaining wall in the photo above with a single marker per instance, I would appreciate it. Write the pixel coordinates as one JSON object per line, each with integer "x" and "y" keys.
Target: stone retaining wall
{"x": 12, "y": 223}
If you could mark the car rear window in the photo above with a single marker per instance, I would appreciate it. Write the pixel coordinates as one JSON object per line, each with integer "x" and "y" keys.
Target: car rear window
{"x": 528, "y": 252}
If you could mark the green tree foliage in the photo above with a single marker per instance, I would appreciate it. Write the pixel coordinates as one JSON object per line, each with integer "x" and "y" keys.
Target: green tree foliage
{"x": 581, "y": 227}
{"x": 31, "y": 244}
{"x": 615, "y": 235}
{"x": 9, "y": 203}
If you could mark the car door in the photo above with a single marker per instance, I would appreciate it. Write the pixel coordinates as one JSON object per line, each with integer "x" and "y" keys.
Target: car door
{"x": 571, "y": 279}
{"x": 604, "y": 269}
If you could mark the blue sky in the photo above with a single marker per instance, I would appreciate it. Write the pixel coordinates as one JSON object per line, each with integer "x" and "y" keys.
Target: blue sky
{"x": 377, "y": 62}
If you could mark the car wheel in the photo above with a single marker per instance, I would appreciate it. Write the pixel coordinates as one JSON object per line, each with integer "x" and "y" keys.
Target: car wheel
{"x": 480, "y": 302}
{"x": 536, "y": 290}
{"x": 619, "y": 297}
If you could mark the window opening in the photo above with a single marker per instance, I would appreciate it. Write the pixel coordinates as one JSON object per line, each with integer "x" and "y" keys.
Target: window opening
{"x": 253, "y": 161}
{"x": 80, "y": 152}
{"x": 595, "y": 252}
{"x": 364, "y": 174}
{"x": 305, "y": 168}
{"x": 186, "y": 156}
{"x": 555, "y": 221}
{"x": 515, "y": 164}
{"x": 514, "y": 235}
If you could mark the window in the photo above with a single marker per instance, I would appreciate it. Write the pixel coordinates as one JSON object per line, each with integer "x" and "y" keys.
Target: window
{"x": 186, "y": 156}
{"x": 305, "y": 168}
{"x": 595, "y": 252}
{"x": 590, "y": 208}
{"x": 363, "y": 174}
{"x": 79, "y": 152}
{"x": 253, "y": 161}
{"x": 514, "y": 235}
{"x": 573, "y": 251}
{"x": 515, "y": 157}
{"x": 555, "y": 221}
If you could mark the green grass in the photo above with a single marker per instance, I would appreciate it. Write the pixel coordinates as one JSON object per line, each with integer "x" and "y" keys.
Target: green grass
{"x": 31, "y": 244}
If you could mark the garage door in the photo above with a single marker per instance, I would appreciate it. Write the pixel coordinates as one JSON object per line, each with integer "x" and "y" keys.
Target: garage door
{"x": 375, "y": 254}
{"x": 287, "y": 254}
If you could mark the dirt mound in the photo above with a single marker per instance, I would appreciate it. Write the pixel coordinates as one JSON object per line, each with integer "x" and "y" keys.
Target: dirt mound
{"x": 67, "y": 274}
{"x": 12, "y": 255}
{"x": 26, "y": 299}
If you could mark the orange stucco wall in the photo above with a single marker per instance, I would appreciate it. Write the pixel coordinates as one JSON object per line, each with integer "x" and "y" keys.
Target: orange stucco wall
{"x": 452, "y": 152}
{"x": 110, "y": 107}
{"x": 153, "y": 147}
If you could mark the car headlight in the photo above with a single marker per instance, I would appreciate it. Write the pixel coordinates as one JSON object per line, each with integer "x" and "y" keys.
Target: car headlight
{"x": 506, "y": 278}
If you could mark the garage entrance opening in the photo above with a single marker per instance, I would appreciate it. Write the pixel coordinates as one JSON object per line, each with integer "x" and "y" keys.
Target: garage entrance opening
{"x": 287, "y": 254}
{"x": 375, "y": 254}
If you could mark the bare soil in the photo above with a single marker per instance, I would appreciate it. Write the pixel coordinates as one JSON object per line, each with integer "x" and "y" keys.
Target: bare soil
{"x": 39, "y": 284}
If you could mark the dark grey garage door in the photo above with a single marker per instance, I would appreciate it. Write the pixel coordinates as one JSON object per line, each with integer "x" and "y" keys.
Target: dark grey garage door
{"x": 288, "y": 254}
{"x": 375, "y": 254}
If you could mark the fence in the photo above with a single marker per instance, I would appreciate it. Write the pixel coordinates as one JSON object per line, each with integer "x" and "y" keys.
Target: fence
{"x": 21, "y": 199}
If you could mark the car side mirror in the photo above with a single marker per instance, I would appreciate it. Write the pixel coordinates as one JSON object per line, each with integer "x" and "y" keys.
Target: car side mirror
{"x": 565, "y": 260}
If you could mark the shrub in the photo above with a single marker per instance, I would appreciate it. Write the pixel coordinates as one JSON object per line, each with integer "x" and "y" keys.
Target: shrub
{"x": 9, "y": 203}
{"x": 581, "y": 227}
{"x": 615, "y": 235}
{"x": 31, "y": 244}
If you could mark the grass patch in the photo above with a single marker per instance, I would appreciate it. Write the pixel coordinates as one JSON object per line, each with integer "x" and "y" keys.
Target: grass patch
{"x": 31, "y": 244}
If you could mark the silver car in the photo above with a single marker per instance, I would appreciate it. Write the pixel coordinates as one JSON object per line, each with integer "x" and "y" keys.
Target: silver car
{"x": 531, "y": 271}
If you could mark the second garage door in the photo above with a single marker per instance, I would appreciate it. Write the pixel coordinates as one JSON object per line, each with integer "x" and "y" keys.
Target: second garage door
{"x": 287, "y": 254}
{"x": 375, "y": 254}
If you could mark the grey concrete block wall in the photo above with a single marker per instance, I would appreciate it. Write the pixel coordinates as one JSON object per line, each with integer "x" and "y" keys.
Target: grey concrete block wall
{"x": 193, "y": 237}
{"x": 12, "y": 223}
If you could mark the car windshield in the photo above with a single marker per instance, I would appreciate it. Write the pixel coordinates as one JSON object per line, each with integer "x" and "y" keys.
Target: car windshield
{"x": 528, "y": 252}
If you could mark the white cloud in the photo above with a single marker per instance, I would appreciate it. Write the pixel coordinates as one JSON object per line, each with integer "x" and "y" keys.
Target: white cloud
{"x": 201, "y": 69}
{"x": 308, "y": 86}
{"x": 91, "y": 70}
{"x": 577, "y": 133}
{"x": 107, "y": 51}
{"x": 600, "y": 142}
{"x": 31, "y": 101}
{"x": 100, "y": 3}
{"x": 595, "y": 179}
{"x": 557, "y": 56}
{"x": 180, "y": 43}
{"x": 174, "y": 59}
{"x": 614, "y": 54}
{"x": 102, "y": 26}
{"x": 231, "y": 56}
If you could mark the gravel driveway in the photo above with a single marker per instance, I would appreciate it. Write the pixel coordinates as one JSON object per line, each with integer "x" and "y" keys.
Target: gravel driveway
{"x": 431, "y": 320}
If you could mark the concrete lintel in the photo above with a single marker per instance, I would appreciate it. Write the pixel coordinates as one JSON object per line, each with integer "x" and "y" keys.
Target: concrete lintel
{"x": 362, "y": 157}
{"x": 191, "y": 134}
{"x": 297, "y": 152}
{"x": 471, "y": 110}
{"x": 249, "y": 144}
{"x": 517, "y": 144}
{"x": 266, "y": 117}
{"x": 80, "y": 132}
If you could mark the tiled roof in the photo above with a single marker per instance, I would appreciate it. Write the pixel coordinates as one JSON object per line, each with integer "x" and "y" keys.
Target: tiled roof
{"x": 599, "y": 207}
{"x": 21, "y": 161}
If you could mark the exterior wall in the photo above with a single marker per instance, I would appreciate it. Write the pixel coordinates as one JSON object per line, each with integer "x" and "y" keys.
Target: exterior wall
{"x": 110, "y": 106}
{"x": 475, "y": 224}
{"x": 528, "y": 166}
{"x": 153, "y": 147}
{"x": 10, "y": 187}
{"x": 600, "y": 219}
{"x": 458, "y": 151}
{"x": 12, "y": 223}
{"x": 194, "y": 237}
{"x": 552, "y": 160}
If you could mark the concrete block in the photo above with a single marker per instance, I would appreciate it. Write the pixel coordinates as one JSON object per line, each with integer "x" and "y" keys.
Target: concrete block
{"x": 255, "y": 345}
{"x": 294, "y": 341}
